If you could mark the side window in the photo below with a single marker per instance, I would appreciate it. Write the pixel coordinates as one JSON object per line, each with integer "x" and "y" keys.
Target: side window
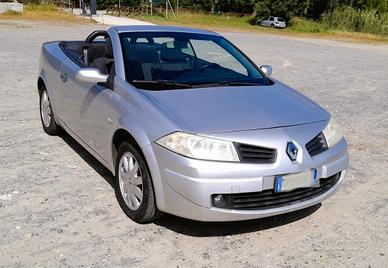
{"x": 271, "y": 18}
{"x": 213, "y": 53}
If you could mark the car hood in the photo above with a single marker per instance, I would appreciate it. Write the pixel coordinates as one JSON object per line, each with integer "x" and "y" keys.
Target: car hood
{"x": 225, "y": 109}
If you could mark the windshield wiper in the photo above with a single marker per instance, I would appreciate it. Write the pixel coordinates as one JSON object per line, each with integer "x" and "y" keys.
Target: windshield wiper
{"x": 237, "y": 83}
{"x": 163, "y": 83}
{"x": 225, "y": 83}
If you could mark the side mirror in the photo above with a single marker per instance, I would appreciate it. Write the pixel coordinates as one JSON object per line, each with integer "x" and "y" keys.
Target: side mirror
{"x": 266, "y": 69}
{"x": 91, "y": 75}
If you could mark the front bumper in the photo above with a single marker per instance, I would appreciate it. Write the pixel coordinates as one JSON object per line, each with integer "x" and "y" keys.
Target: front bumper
{"x": 184, "y": 186}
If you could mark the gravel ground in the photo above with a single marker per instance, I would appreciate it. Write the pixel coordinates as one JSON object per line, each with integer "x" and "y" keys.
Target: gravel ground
{"x": 58, "y": 209}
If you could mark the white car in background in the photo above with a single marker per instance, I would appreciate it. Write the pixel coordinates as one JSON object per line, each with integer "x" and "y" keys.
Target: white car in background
{"x": 275, "y": 22}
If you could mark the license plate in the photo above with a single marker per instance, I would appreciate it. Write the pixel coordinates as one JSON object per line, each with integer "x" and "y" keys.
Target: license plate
{"x": 286, "y": 183}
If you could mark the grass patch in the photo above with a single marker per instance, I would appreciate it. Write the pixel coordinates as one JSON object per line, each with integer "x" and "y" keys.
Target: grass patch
{"x": 352, "y": 20}
{"x": 45, "y": 8}
{"x": 296, "y": 27}
{"x": 325, "y": 29}
{"x": 44, "y": 12}
{"x": 202, "y": 19}
{"x": 307, "y": 26}
{"x": 11, "y": 13}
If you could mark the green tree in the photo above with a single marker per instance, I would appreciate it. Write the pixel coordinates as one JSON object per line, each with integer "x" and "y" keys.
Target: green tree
{"x": 285, "y": 9}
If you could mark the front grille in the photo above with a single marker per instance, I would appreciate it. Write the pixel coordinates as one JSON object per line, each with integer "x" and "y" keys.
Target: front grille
{"x": 269, "y": 199}
{"x": 317, "y": 145}
{"x": 255, "y": 154}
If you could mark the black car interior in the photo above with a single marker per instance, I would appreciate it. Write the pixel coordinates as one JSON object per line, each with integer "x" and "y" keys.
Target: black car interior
{"x": 93, "y": 52}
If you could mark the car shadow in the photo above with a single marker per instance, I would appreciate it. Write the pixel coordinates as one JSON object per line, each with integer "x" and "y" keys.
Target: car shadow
{"x": 196, "y": 228}
{"x": 88, "y": 158}
{"x": 213, "y": 229}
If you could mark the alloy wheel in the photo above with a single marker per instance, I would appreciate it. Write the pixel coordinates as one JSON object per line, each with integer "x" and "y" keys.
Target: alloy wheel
{"x": 45, "y": 109}
{"x": 130, "y": 181}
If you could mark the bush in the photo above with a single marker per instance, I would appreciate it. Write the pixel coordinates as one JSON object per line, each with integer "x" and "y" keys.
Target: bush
{"x": 102, "y": 4}
{"x": 350, "y": 19}
{"x": 309, "y": 26}
{"x": 281, "y": 8}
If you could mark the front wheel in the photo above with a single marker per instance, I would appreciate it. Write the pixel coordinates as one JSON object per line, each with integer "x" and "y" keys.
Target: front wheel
{"x": 133, "y": 185}
{"x": 46, "y": 113}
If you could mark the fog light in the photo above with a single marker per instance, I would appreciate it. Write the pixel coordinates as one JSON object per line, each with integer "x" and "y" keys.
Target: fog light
{"x": 219, "y": 201}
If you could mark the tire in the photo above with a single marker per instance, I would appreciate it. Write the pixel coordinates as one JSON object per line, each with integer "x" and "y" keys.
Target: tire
{"x": 129, "y": 181}
{"x": 46, "y": 113}
{"x": 272, "y": 25}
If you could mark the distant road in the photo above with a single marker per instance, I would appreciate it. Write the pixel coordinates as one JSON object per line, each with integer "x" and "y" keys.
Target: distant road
{"x": 105, "y": 19}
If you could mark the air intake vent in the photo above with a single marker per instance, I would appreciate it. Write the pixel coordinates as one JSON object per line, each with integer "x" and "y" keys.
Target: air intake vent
{"x": 317, "y": 145}
{"x": 255, "y": 154}
{"x": 268, "y": 199}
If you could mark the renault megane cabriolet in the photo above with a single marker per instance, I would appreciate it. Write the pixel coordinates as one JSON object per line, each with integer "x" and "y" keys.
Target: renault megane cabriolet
{"x": 189, "y": 125}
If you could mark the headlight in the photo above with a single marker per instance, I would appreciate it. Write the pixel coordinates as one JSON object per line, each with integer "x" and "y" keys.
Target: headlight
{"x": 333, "y": 132}
{"x": 199, "y": 147}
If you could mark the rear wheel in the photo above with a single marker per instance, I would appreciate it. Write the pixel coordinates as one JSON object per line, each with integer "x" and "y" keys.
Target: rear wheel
{"x": 133, "y": 185}
{"x": 46, "y": 113}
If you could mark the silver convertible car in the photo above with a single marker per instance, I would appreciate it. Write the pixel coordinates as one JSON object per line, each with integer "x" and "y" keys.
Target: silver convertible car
{"x": 189, "y": 125}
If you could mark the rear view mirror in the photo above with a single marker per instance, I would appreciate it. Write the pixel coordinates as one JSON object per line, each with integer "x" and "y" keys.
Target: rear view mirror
{"x": 91, "y": 75}
{"x": 266, "y": 69}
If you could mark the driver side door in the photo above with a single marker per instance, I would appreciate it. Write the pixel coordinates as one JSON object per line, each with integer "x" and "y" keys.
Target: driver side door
{"x": 87, "y": 108}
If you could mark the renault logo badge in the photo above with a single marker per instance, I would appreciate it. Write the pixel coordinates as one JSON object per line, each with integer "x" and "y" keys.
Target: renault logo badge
{"x": 292, "y": 151}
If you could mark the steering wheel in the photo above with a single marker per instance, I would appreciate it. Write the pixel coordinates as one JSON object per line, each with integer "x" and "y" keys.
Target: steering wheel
{"x": 209, "y": 65}
{"x": 94, "y": 35}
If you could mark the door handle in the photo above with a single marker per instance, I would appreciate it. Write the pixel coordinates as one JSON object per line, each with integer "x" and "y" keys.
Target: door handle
{"x": 63, "y": 77}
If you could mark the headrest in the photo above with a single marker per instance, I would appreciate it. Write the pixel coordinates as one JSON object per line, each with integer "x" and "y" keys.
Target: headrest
{"x": 181, "y": 43}
{"x": 171, "y": 53}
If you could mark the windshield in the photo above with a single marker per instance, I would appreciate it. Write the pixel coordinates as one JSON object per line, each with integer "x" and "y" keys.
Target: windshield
{"x": 171, "y": 60}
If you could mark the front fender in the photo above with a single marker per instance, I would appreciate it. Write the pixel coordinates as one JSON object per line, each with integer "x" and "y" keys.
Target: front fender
{"x": 135, "y": 113}
{"x": 144, "y": 141}
{"x": 135, "y": 130}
